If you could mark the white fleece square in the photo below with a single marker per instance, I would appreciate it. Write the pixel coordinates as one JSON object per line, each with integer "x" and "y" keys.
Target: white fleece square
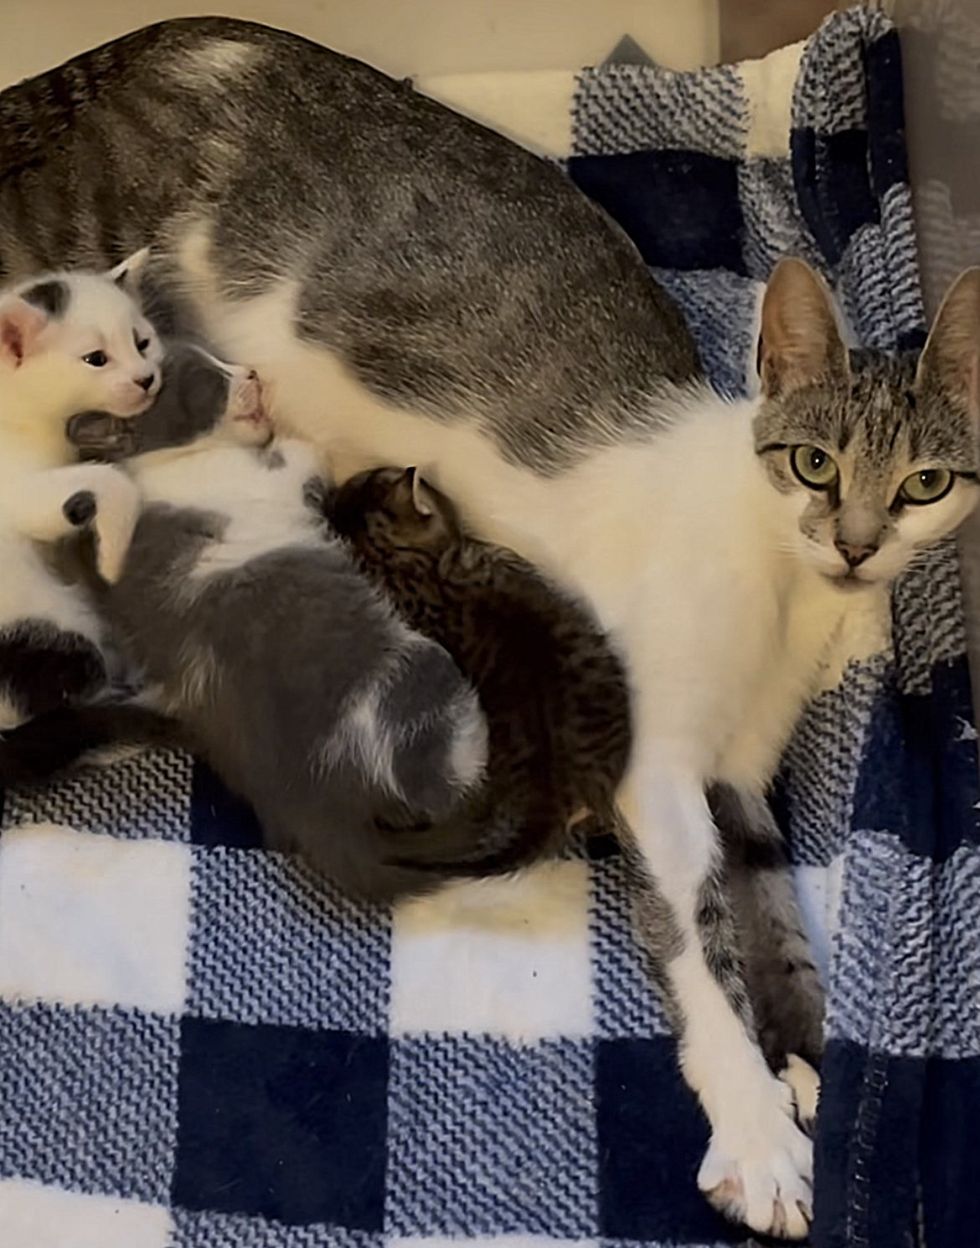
{"x": 35, "y": 1216}
{"x": 507, "y": 958}
{"x": 769, "y": 84}
{"x": 93, "y": 920}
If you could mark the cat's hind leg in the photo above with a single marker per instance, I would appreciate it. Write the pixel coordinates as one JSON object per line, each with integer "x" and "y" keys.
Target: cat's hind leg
{"x": 758, "y": 1168}
{"x": 56, "y": 502}
{"x": 782, "y": 979}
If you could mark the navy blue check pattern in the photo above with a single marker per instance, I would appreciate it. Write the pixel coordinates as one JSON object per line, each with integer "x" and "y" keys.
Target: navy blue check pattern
{"x": 275, "y": 1101}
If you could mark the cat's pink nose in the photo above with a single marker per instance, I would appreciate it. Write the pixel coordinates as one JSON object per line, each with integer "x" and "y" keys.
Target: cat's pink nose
{"x": 854, "y": 552}
{"x": 144, "y": 383}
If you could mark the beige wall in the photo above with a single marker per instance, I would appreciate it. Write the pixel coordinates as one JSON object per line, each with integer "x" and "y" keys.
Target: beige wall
{"x": 401, "y": 36}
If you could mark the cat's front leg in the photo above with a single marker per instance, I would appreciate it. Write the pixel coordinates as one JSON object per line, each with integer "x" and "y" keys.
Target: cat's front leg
{"x": 758, "y": 1168}
{"x": 56, "y": 502}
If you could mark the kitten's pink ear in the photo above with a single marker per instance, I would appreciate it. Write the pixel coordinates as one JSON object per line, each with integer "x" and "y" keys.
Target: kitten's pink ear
{"x": 799, "y": 340}
{"x": 129, "y": 273}
{"x": 20, "y": 326}
{"x": 950, "y": 360}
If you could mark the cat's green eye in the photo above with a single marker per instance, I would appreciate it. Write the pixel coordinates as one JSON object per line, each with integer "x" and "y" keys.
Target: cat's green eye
{"x": 813, "y": 467}
{"x": 927, "y": 486}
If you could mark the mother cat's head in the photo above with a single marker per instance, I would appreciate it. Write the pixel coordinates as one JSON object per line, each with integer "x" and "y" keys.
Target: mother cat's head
{"x": 877, "y": 457}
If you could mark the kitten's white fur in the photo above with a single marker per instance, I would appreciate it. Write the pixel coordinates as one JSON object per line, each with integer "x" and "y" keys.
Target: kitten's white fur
{"x": 43, "y": 381}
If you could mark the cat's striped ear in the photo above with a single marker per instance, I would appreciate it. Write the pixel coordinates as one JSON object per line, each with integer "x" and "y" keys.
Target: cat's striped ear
{"x": 800, "y": 343}
{"x": 950, "y": 360}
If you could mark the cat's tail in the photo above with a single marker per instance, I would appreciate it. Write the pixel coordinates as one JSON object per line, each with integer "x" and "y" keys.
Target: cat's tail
{"x": 49, "y": 744}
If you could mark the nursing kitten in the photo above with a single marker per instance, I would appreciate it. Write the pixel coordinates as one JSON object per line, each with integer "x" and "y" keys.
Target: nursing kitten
{"x": 553, "y": 691}
{"x": 255, "y": 631}
{"x": 429, "y": 293}
{"x": 67, "y": 340}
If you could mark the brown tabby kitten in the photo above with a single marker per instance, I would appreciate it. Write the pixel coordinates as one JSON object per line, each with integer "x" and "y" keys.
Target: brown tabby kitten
{"x": 553, "y": 691}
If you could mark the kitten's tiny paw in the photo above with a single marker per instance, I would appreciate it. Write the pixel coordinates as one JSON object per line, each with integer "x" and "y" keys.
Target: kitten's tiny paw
{"x": 79, "y": 509}
{"x": 804, "y": 1083}
{"x": 761, "y": 1173}
{"x": 112, "y": 548}
{"x": 118, "y": 506}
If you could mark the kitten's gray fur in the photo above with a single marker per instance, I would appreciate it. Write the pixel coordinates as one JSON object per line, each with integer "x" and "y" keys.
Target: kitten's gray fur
{"x": 276, "y": 665}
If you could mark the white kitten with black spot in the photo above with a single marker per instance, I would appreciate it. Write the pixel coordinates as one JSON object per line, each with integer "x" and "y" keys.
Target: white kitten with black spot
{"x": 68, "y": 341}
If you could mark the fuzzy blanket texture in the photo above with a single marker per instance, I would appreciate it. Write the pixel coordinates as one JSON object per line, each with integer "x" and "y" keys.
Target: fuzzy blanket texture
{"x": 201, "y": 1047}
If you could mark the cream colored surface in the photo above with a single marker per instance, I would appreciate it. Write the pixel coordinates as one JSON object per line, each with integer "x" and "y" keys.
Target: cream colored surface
{"x": 532, "y": 109}
{"x": 401, "y": 36}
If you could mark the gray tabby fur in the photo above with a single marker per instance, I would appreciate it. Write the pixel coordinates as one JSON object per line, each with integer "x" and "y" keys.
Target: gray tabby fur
{"x": 525, "y": 303}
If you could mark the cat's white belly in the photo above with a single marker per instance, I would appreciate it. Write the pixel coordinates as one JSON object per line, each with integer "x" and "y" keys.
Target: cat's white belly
{"x": 260, "y": 509}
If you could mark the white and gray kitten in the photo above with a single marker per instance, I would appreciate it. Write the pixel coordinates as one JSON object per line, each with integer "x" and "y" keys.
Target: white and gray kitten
{"x": 282, "y": 664}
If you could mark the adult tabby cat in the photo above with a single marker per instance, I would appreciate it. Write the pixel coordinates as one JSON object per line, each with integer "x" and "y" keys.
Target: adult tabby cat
{"x": 419, "y": 290}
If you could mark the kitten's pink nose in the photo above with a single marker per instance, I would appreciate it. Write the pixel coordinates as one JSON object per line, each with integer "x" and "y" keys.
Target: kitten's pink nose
{"x": 854, "y": 553}
{"x": 144, "y": 383}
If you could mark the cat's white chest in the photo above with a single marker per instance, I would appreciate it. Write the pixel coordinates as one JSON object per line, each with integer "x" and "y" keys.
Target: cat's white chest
{"x": 787, "y": 664}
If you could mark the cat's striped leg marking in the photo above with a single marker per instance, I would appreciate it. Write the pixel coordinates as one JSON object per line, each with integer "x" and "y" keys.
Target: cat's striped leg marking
{"x": 758, "y": 1168}
{"x": 780, "y": 973}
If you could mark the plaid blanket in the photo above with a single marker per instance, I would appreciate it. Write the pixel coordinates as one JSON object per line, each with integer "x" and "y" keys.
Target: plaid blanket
{"x": 202, "y": 1047}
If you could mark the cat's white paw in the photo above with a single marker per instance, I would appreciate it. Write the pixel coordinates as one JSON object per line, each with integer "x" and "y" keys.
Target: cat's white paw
{"x": 804, "y": 1082}
{"x": 760, "y": 1172}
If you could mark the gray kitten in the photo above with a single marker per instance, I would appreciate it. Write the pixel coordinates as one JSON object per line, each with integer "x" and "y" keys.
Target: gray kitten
{"x": 282, "y": 664}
